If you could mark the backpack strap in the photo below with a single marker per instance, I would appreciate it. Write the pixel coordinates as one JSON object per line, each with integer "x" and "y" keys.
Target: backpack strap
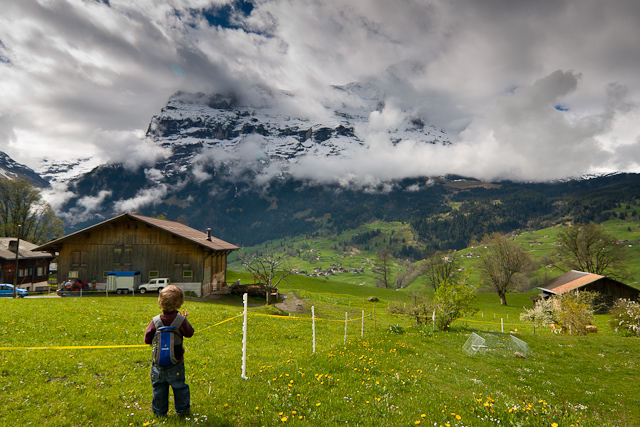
{"x": 177, "y": 322}
{"x": 156, "y": 321}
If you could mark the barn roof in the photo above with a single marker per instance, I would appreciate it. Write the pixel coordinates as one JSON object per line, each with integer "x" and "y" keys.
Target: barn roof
{"x": 25, "y": 248}
{"x": 569, "y": 282}
{"x": 172, "y": 227}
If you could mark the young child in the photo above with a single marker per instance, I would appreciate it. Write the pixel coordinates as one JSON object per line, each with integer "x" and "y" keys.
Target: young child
{"x": 170, "y": 300}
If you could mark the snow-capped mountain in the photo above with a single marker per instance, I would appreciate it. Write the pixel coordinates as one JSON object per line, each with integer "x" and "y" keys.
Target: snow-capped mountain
{"x": 11, "y": 169}
{"x": 280, "y": 125}
{"x": 218, "y": 148}
{"x": 63, "y": 171}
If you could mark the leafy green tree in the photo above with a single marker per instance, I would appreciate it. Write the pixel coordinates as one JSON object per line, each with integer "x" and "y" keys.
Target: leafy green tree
{"x": 504, "y": 264}
{"x": 22, "y": 205}
{"x": 591, "y": 249}
{"x": 453, "y": 300}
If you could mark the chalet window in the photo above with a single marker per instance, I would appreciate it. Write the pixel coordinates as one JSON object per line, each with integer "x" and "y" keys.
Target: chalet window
{"x": 20, "y": 272}
{"x": 154, "y": 273}
{"x": 40, "y": 271}
{"x": 73, "y": 274}
{"x": 187, "y": 274}
{"x": 117, "y": 255}
{"x": 128, "y": 255}
{"x": 181, "y": 258}
{"x": 76, "y": 258}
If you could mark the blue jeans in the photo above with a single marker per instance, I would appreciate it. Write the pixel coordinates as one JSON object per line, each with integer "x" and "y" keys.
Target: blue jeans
{"x": 161, "y": 379}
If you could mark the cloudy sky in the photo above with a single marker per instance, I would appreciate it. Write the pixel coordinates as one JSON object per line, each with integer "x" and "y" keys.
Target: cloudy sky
{"x": 527, "y": 89}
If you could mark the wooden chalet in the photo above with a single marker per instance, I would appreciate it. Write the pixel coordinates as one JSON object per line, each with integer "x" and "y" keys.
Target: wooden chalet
{"x": 609, "y": 289}
{"x": 33, "y": 265}
{"x": 191, "y": 259}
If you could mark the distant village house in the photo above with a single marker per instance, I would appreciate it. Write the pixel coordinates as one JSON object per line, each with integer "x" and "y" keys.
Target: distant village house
{"x": 608, "y": 288}
{"x": 33, "y": 265}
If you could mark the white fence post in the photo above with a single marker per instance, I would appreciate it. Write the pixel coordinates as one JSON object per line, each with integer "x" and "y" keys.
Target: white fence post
{"x": 313, "y": 327}
{"x": 362, "y": 326}
{"x": 346, "y": 319}
{"x": 502, "y": 325}
{"x": 433, "y": 319}
{"x": 244, "y": 340}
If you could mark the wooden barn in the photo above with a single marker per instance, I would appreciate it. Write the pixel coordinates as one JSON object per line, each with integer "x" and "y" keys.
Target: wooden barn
{"x": 610, "y": 289}
{"x": 33, "y": 266}
{"x": 191, "y": 259}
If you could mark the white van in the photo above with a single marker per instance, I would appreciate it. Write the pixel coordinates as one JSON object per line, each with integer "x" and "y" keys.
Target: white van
{"x": 154, "y": 285}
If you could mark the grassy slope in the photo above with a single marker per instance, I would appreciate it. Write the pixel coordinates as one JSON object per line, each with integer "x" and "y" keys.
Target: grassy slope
{"x": 384, "y": 378}
{"x": 540, "y": 243}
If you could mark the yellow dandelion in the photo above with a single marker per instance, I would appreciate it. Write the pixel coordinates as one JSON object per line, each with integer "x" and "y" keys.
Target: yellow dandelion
{"x": 318, "y": 404}
{"x": 554, "y": 424}
{"x": 283, "y": 419}
{"x": 458, "y": 417}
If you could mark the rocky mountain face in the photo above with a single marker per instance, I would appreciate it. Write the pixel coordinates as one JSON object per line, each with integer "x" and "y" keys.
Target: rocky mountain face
{"x": 227, "y": 158}
{"x": 11, "y": 169}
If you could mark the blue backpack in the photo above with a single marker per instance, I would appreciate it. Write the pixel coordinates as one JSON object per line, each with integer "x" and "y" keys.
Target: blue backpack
{"x": 165, "y": 341}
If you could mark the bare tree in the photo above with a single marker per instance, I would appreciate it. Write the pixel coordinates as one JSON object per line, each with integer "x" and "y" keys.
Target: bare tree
{"x": 407, "y": 274}
{"x": 382, "y": 268}
{"x": 438, "y": 269}
{"x": 504, "y": 264}
{"x": 269, "y": 268}
{"x": 591, "y": 249}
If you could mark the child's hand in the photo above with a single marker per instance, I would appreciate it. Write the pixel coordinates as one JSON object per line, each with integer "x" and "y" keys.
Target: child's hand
{"x": 185, "y": 313}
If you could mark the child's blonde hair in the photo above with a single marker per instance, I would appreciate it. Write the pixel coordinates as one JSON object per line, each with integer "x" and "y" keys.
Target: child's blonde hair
{"x": 171, "y": 298}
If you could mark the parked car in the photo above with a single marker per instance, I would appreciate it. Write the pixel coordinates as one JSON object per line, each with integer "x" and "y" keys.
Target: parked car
{"x": 6, "y": 290}
{"x": 154, "y": 285}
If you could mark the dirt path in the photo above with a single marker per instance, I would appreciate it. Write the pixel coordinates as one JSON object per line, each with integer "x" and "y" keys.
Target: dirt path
{"x": 291, "y": 304}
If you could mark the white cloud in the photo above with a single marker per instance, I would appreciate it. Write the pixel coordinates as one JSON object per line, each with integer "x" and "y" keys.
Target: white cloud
{"x": 130, "y": 148}
{"x": 148, "y": 196}
{"x": 91, "y": 203}
{"x": 82, "y": 78}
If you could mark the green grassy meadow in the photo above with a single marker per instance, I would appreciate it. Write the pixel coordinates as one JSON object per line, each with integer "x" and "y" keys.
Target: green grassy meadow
{"x": 325, "y": 252}
{"x": 403, "y": 375}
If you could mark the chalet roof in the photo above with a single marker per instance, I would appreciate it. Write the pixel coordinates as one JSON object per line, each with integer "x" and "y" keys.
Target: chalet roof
{"x": 172, "y": 227}
{"x": 26, "y": 250}
{"x": 569, "y": 282}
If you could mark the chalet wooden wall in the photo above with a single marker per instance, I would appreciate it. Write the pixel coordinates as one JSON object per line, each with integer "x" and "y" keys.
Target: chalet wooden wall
{"x": 612, "y": 290}
{"x": 130, "y": 245}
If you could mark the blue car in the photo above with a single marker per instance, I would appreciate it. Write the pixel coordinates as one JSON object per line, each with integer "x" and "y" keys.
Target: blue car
{"x": 6, "y": 290}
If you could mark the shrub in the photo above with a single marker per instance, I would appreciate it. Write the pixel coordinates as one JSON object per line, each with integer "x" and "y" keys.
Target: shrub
{"x": 625, "y": 317}
{"x": 570, "y": 312}
{"x": 453, "y": 300}
{"x": 576, "y": 310}
{"x": 543, "y": 314}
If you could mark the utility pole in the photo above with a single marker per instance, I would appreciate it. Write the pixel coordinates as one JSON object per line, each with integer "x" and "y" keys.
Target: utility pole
{"x": 15, "y": 273}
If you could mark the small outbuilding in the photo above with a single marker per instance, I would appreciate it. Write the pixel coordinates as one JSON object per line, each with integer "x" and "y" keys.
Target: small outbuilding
{"x": 610, "y": 289}
{"x": 192, "y": 259}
